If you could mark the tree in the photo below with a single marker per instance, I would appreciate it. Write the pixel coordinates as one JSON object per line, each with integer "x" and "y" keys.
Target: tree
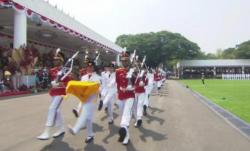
{"x": 243, "y": 50}
{"x": 229, "y": 53}
{"x": 161, "y": 47}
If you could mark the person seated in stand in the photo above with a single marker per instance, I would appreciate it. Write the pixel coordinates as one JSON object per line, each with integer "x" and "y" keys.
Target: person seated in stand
{"x": 1, "y": 85}
{"x": 7, "y": 79}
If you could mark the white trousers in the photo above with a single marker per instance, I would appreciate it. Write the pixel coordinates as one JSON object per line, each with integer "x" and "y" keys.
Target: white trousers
{"x": 149, "y": 89}
{"x": 125, "y": 107}
{"x": 54, "y": 113}
{"x": 108, "y": 102}
{"x": 103, "y": 93}
{"x": 79, "y": 107}
{"x": 138, "y": 105}
{"x": 86, "y": 117}
{"x": 158, "y": 84}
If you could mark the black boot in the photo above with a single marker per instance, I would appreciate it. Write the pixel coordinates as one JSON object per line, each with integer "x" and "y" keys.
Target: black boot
{"x": 138, "y": 123}
{"x": 122, "y": 134}
{"x": 111, "y": 122}
{"x": 89, "y": 139}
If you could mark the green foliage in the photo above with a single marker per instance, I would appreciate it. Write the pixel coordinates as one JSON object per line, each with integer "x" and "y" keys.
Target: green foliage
{"x": 211, "y": 56}
{"x": 168, "y": 48}
{"x": 229, "y": 53}
{"x": 161, "y": 47}
{"x": 233, "y": 95}
{"x": 241, "y": 51}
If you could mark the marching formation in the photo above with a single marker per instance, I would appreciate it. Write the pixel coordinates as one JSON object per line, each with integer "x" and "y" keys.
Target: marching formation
{"x": 128, "y": 86}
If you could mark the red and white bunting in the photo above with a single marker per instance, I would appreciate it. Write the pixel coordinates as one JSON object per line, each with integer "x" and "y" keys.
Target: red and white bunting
{"x": 29, "y": 13}
{"x": 18, "y": 8}
{"x": 50, "y": 22}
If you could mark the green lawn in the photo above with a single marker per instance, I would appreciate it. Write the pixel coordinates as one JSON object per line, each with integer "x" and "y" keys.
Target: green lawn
{"x": 233, "y": 95}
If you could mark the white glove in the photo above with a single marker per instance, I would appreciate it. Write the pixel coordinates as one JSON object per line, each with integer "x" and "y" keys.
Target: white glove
{"x": 141, "y": 83}
{"x": 130, "y": 88}
{"x": 59, "y": 73}
{"x": 122, "y": 89}
{"x": 142, "y": 73}
{"x": 54, "y": 84}
{"x": 130, "y": 72}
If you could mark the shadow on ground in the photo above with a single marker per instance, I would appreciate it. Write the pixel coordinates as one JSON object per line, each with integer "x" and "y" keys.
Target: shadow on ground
{"x": 106, "y": 116}
{"x": 147, "y": 133}
{"x": 154, "y": 110}
{"x": 113, "y": 130}
{"x": 57, "y": 145}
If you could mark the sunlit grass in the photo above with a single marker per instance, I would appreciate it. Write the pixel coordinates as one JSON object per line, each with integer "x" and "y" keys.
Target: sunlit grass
{"x": 233, "y": 95}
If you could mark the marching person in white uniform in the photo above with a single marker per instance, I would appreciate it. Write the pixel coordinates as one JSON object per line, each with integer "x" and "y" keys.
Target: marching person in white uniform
{"x": 88, "y": 108}
{"x": 110, "y": 95}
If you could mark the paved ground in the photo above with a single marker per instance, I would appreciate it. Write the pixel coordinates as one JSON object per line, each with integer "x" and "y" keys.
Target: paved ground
{"x": 176, "y": 122}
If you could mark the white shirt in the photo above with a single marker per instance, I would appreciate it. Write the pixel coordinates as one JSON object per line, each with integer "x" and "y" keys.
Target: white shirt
{"x": 91, "y": 77}
{"x": 104, "y": 79}
{"x": 150, "y": 77}
{"x": 111, "y": 83}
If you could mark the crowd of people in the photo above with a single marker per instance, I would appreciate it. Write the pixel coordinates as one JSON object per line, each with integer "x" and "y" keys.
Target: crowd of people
{"x": 129, "y": 86}
{"x": 26, "y": 60}
{"x": 235, "y": 76}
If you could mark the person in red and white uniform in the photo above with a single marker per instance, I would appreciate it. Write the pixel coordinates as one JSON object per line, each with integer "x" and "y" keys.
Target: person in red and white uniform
{"x": 157, "y": 79}
{"x": 140, "y": 96}
{"x": 125, "y": 87}
{"x": 87, "y": 109}
{"x": 163, "y": 76}
{"x": 57, "y": 91}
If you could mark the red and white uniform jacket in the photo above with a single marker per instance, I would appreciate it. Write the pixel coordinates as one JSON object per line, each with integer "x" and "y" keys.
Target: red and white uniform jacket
{"x": 59, "y": 90}
{"x": 140, "y": 84}
{"x": 122, "y": 82}
{"x": 157, "y": 76}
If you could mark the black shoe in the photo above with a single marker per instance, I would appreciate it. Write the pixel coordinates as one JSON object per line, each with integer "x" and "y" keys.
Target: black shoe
{"x": 111, "y": 122}
{"x": 138, "y": 123}
{"x": 75, "y": 113}
{"x": 59, "y": 135}
{"x": 116, "y": 105}
{"x": 144, "y": 110}
{"x": 100, "y": 105}
{"x": 122, "y": 134}
{"x": 89, "y": 139}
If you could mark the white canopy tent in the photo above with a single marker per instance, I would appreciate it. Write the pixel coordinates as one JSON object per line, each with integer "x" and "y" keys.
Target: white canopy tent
{"x": 38, "y": 22}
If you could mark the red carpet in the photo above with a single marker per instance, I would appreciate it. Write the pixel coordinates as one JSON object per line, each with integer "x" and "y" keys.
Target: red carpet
{"x": 14, "y": 93}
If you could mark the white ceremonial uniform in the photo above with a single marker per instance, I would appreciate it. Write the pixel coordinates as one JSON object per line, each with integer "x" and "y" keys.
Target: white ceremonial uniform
{"x": 110, "y": 95}
{"x": 88, "y": 108}
{"x": 149, "y": 88}
{"x": 104, "y": 81}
